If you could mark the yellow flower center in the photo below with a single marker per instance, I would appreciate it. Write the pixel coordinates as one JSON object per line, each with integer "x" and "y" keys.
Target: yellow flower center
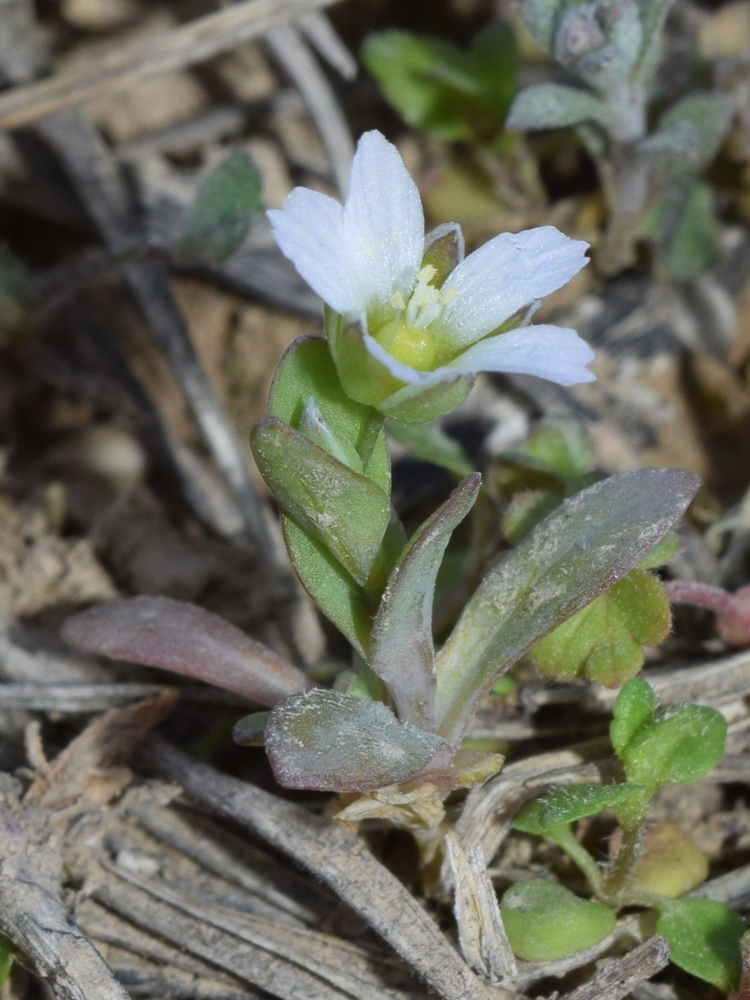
{"x": 408, "y": 335}
{"x": 413, "y": 346}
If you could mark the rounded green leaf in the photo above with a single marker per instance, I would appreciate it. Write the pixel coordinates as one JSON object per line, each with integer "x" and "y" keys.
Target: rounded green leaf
{"x": 604, "y": 642}
{"x": 680, "y": 746}
{"x": 705, "y": 939}
{"x": 545, "y": 921}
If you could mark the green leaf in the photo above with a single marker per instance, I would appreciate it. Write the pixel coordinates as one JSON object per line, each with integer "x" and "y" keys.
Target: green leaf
{"x": 693, "y": 243}
{"x": 662, "y": 552}
{"x": 439, "y": 88}
{"x": 316, "y": 428}
{"x": 219, "y": 219}
{"x": 676, "y": 141}
{"x": 332, "y": 741}
{"x": 554, "y": 105}
{"x": 331, "y": 588}
{"x": 346, "y": 511}
{"x": 563, "y": 445}
{"x": 710, "y": 116}
{"x": 705, "y": 939}
{"x": 401, "y": 651}
{"x": 306, "y": 371}
{"x": 604, "y": 641}
{"x": 7, "y": 951}
{"x": 249, "y": 731}
{"x": 679, "y": 745}
{"x": 545, "y": 921}
{"x": 430, "y": 443}
{"x": 633, "y": 709}
{"x": 16, "y": 296}
{"x": 582, "y": 548}
{"x": 554, "y": 458}
{"x": 525, "y": 511}
{"x": 540, "y": 16}
{"x": 568, "y": 804}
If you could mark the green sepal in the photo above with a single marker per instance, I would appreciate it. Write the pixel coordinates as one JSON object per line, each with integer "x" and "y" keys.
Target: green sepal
{"x": 219, "y": 219}
{"x": 603, "y": 642}
{"x": 704, "y": 936}
{"x": 544, "y": 921}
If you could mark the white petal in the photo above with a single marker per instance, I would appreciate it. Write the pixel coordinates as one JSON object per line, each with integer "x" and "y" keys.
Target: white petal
{"x": 505, "y": 275}
{"x": 310, "y": 232}
{"x": 383, "y": 222}
{"x": 552, "y": 352}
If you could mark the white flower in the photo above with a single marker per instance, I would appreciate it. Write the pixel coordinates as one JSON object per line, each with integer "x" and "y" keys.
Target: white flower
{"x": 425, "y": 320}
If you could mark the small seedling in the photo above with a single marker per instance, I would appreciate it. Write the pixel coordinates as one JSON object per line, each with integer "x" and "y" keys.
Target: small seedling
{"x": 657, "y": 747}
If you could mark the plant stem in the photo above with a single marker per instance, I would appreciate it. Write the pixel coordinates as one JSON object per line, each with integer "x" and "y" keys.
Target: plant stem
{"x": 565, "y": 838}
{"x": 619, "y": 873}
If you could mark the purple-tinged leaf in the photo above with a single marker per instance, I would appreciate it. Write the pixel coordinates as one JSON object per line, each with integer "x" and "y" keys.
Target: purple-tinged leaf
{"x": 177, "y": 636}
{"x": 331, "y": 741}
{"x": 401, "y": 649}
{"x": 567, "y": 561}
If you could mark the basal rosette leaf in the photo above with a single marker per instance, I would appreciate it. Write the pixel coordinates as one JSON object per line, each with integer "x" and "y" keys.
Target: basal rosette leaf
{"x": 545, "y": 921}
{"x": 331, "y": 741}
{"x": 603, "y": 642}
{"x": 186, "y": 639}
{"x": 583, "y": 547}
{"x": 705, "y": 939}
